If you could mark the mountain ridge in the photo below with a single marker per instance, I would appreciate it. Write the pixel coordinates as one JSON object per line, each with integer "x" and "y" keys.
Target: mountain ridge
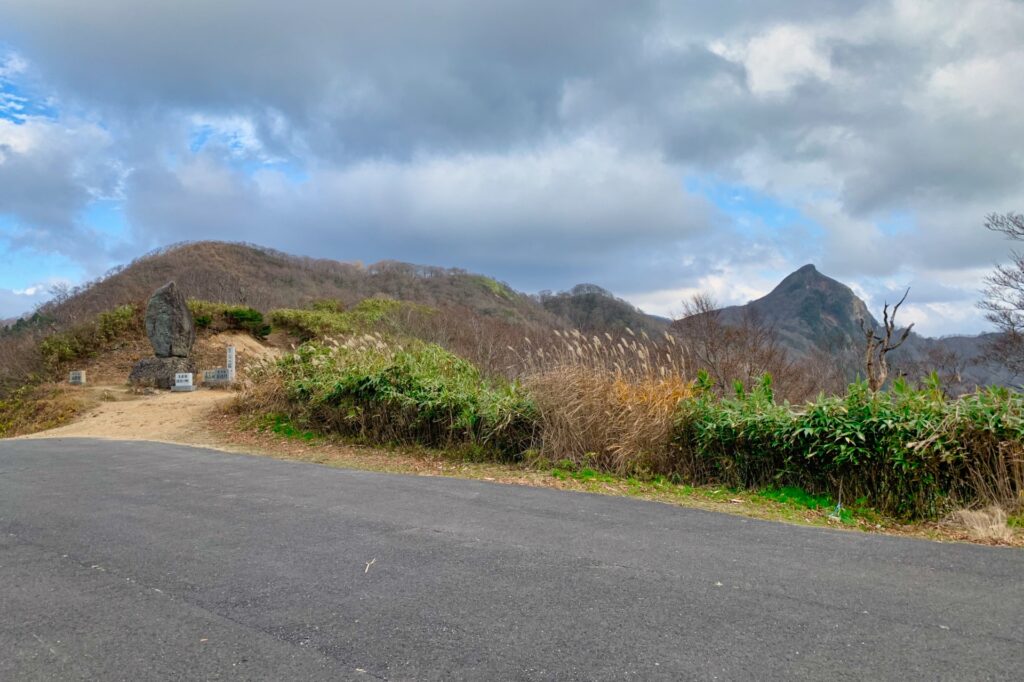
{"x": 814, "y": 313}
{"x": 809, "y": 311}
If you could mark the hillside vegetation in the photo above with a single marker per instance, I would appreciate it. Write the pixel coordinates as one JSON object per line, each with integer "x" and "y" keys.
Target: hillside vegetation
{"x": 251, "y": 277}
{"x": 622, "y": 406}
{"x": 445, "y": 359}
{"x": 589, "y": 308}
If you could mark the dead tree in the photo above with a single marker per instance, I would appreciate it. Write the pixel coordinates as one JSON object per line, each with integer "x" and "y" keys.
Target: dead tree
{"x": 742, "y": 349}
{"x": 1004, "y": 296}
{"x": 880, "y": 343}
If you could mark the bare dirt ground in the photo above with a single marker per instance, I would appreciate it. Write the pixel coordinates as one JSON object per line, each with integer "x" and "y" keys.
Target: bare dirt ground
{"x": 117, "y": 412}
{"x": 163, "y": 416}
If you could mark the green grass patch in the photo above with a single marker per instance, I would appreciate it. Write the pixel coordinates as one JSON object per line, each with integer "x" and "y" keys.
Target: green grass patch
{"x": 493, "y": 286}
{"x": 585, "y": 474}
{"x": 801, "y": 499}
{"x": 283, "y": 426}
{"x": 327, "y": 318}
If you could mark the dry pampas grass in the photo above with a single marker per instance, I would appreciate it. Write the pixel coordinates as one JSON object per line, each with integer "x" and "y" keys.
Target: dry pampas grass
{"x": 607, "y": 402}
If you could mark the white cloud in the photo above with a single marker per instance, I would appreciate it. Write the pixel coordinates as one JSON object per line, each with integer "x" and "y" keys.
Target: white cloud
{"x": 730, "y": 285}
{"x": 17, "y": 302}
{"x": 780, "y": 58}
{"x": 238, "y": 135}
{"x": 982, "y": 84}
{"x": 559, "y": 205}
{"x": 12, "y": 64}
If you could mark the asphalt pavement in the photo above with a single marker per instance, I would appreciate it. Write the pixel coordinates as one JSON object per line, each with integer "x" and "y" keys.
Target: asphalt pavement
{"x": 136, "y": 561}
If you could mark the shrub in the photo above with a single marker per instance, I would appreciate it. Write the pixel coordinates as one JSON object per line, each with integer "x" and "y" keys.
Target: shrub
{"x": 494, "y": 287}
{"x": 86, "y": 339}
{"x": 247, "y": 319}
{"x": 384, "y": 392}
{"x": 906, "y": 452}
{"x": 223, "y": 317}
{"x": 330, "y": 305}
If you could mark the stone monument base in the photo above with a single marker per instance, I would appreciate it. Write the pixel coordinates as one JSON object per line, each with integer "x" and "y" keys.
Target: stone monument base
{"x": 159, "y": 372}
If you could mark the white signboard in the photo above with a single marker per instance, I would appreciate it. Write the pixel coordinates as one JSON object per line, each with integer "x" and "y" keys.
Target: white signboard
{"x": 77, "y": 378}
{"x": 231, "y": 363}
{"x": 183, "y": 382}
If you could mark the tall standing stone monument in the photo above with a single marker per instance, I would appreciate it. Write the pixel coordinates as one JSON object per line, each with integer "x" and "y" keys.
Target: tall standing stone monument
{"x": 172, "y": 331}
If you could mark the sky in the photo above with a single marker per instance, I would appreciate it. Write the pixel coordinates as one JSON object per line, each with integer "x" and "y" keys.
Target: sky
{"x": 656, "y": 149}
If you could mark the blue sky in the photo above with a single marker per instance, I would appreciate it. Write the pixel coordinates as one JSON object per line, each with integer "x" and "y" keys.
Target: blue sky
{"x": 670, "y": 148}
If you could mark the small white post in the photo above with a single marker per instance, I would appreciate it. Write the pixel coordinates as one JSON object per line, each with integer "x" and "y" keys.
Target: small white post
{"x": 231, "y": 363}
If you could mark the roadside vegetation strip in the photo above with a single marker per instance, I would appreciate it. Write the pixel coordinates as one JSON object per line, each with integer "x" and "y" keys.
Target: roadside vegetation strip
{"x": 276, "y": 436}
{"x": 909, "y": 453}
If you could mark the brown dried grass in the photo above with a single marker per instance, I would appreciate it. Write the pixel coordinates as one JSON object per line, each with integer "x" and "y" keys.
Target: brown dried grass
{"x": 988, "y": 524}
{"x": 607, "y": 402}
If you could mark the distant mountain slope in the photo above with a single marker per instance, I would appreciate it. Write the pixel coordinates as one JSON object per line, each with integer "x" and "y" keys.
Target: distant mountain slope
{"x": 812, "y": 312}
{"x": 966, "y": 357}
{"x": 590, "y": 308}
{"x": 264, "y": 279}
{"x": 809, "y": 311}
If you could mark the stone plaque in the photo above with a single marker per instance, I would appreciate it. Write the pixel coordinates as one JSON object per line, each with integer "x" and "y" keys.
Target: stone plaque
{"x": 77, "y": 378}
{"x": 220, "y": 375}
{"x": 183, "y": 382}
{"x": 231, "y": 363}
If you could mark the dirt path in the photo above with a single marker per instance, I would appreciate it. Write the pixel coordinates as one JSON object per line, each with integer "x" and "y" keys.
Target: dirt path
{"x": 117, "y": 413}
{"x": 162, "y": 416}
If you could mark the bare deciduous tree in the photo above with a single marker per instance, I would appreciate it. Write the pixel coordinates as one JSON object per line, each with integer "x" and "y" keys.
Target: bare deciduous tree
{"x": 947, "y": 364}
{"x": 1004, "y": 295}
{"x": 879, "y": 343}
{"x": 744, "y": 350}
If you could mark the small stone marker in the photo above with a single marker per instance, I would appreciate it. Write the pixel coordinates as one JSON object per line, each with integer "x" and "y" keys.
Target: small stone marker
{"x": 231, "y": 363}
{"x": 183, "y": 382}
{"x": 77, "y": 378}
{"x": 221, "y": 375}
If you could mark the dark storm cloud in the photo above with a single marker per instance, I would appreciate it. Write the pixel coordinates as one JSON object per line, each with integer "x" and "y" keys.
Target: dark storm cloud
{"x": 540, "y": 141}
{"x": 356, "y": 78}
